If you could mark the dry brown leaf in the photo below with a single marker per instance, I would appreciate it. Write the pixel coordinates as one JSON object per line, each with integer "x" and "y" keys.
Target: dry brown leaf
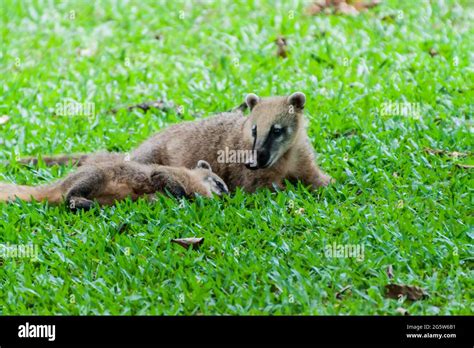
{"x": 187, "y": 243}
{"x": 340, "y": 292}
{"x": 347, "y": 134}
{"x": 456, "y": 154}
{"x": 465, "y": 166}
{"x": 299, "y": 211}
{"x": 433, "y": 52}
{"x": 453, "y": 154}
{"x": 282, "y": 47}
{"x": 4, "y": 119}
{"x": 145, "y": 106}
{"x": 390, "y": 271}
{"x": 155, "y": 104}
{"x": 402, "y": 311}
{"x": 412, "y": 293}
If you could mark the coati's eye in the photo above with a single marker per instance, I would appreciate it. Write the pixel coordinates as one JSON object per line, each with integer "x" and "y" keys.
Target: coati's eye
{"x": 220, "y": 186}
{"x": 277, "y": 130}
{"x": 254, "y": 130}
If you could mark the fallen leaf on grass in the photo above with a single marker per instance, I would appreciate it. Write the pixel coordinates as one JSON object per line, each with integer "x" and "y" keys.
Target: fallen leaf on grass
{"x": 282, "y": 45}
{"x": 145, "y": 106}
{"x": 453, "y": 154}
{"x": 340, "y": 292}
{"x": 187, "y": 243}
{"x": 412, "y": 293}
{"x": 4, "y": 119}
{"x": 433, "y": 52}
{"x": 465, "y": 166}
{"x": 402, "y": 311}
{"x": 347, "y": 134}
{"x": 300, "y": 211}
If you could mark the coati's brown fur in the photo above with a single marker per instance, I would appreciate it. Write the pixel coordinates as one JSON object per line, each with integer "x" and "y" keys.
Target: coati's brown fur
{"x": 286, "y": 154}
{"x": 112, "y": 181}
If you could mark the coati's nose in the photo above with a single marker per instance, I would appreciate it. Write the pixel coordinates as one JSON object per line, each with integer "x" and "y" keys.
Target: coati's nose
{"x": 263, "y": 157}
{"x": 251, "y": 165}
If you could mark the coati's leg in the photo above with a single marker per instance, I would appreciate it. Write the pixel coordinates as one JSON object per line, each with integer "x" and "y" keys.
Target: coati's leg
{"x": 85, "y": 187}
{"x": 310, "y": 174}
{"x": 162, "y": 181}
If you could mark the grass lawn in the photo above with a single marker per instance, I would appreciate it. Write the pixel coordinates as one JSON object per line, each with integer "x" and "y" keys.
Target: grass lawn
{"x": 376, "y": 99}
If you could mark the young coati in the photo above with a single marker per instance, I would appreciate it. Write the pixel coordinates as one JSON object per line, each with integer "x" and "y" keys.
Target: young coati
{"x": 112, "y": 181}
{"x": 275, "y": 130}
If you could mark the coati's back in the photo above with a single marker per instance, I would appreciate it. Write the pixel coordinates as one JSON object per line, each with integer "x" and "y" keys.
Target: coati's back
{"x": 183, "y": 144}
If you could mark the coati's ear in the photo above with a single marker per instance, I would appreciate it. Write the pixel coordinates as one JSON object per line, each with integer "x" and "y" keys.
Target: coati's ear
{"x": 251, "y": 100}
{"x": 204, "y": 165}
{"x": 297, "y": 99}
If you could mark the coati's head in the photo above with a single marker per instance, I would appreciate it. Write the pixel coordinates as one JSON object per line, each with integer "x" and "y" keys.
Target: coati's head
{"x": 273, "y": 126}
{"x": 210, "y": 183}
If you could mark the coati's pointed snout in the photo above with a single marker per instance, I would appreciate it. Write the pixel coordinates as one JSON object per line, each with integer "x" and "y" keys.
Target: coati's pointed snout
{"x": 261, "y": 162}
{"x": 263, "y": 158}
{"x": 219, "y": 188}
{"x": 223, "y": 191}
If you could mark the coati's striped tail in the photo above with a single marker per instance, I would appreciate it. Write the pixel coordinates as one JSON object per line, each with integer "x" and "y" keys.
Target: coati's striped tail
{"x": 75, "y": 159}
{"x": 49, "y": 193}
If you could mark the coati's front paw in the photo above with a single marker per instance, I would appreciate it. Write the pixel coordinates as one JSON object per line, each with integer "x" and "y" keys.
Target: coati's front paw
{"x": 163, "y": 182}
{"x": 324, "y": 180}
{"x": 79, "y": 203}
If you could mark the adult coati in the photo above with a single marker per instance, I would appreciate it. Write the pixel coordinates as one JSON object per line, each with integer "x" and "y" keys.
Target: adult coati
{"x": 275, "y": 130}
{"x": 108, "y": 182}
